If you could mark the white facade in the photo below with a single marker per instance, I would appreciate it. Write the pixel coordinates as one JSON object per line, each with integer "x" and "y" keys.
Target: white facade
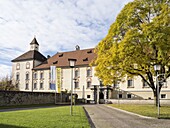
{"x": 28, "y": 78}
{"x": 83, "y": 91}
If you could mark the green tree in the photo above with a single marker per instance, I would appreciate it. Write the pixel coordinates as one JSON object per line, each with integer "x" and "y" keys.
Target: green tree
{"x": 136, "y": 41}
{"x": 6, "y": 84}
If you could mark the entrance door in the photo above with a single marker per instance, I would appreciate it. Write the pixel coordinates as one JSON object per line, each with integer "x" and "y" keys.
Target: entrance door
{"x": 101, "y": 97}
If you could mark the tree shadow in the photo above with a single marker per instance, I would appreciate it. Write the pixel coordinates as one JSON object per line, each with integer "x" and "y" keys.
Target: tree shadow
{"x": 10, "y": 126}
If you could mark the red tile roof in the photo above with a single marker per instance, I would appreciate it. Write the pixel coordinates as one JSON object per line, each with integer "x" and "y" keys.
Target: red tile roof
{"x": 83, "y": 57}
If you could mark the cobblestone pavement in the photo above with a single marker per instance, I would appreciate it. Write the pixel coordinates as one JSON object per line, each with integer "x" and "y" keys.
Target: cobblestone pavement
{"x": 107, "y": 117}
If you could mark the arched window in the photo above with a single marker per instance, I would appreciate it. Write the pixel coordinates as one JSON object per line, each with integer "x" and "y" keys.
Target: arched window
{"x": 27, "y": 65}
{"x": 41, "y": 85}
{"x": 76, "y": 73}
{"x": 27, "y": 76}
{"x": 89, "y": 72}
{"x": 17, "y": 76}
{"x": 17, "y": 66}
{"x": 88, "y": 84}
{"x": 35, "y": 85}
{"x": 35, "y": 75}
{"x": 41, "y": 75}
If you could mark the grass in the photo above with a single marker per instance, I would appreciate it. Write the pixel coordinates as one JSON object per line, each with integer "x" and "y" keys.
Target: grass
{"x": 55, "y": 117}
{"x": 145, "y": 110}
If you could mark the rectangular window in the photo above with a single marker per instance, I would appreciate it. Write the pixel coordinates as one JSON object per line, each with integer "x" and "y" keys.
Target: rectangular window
{"x": 41, "y": 75}
{"x": 129, "y": 96}
{"x": 120, "y": 96}
{"x": 76, "y": 84}
{"x": 88, "y": 84}
{"x": 145, "y": 84}
{"x": 26, "y": 86}
{"x": 27, "y": 76}
{"x": 41, "y": 85}
{"x": 130, "y": 83}
{"x": 163, "y": 96}
{"x": 76, "y": 73}
{"x": 17, "y": 85}
{"x": 88, "y": 72}
{"x": 35, "y": 85}
{"x": 35, "y": 75}
{"x": 88, "y": 96}
{"x": 17, "y": 77}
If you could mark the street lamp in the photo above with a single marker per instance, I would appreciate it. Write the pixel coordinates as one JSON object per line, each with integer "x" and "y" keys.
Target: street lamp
{"x": 157, "y": 67}
{"x": 71, "y": 64}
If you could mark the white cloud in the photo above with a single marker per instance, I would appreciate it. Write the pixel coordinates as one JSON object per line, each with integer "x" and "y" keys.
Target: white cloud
{"x": 58, "y": 24}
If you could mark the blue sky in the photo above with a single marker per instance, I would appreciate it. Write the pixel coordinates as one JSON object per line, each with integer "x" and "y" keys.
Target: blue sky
{"x": 59, "y": 25}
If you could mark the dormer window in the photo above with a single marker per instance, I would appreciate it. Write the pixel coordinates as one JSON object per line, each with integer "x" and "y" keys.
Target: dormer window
{"x": 90, "y": 51}
{"x": 61, "y": 55}
{"x": 86, "y": 59}
{"x": 55, "y": 62}
{"x": 27, "y": 65}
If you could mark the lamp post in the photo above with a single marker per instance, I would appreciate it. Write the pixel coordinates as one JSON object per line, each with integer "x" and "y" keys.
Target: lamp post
{"x": 71, "y": 64}
{"x": 157, "y": 68}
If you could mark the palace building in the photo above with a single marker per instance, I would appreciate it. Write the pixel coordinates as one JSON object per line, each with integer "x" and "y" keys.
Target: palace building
{"x": 32, "y": 72}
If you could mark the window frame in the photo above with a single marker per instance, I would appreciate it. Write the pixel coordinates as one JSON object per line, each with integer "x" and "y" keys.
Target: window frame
{"x": 88, "y": 96}
{"x": 27, "y": 65}
{"x": 34, "y": 85}
{"x": 164, "y": 96}
{"x": 17, "y": 76}
{"x": 76, "y": 73}
{"x": 18, "y": 66}
{"x": 76, "y": 84}
{"x": 27, "y": 86}
{"x": 41, "y": 75}
{"x": 128, "y": 96}
{"x": 88, "y": 86}
{"x": 88, "y": 72}
{"x": 27, "y": 76}
{"x": 41, "y": 85}
{"x": 132, "y": 83}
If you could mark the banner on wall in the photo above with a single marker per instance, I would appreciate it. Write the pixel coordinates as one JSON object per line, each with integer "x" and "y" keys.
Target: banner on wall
{"x": 53, "y": 77}
{"x": 59, "y": 79}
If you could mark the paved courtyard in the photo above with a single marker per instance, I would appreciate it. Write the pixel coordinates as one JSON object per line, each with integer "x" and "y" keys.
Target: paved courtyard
{"x": 107, "y": 117}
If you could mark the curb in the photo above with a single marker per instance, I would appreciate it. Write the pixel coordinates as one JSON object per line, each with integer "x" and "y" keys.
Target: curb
{"x": 89, "y": 119}
{"x": 131, "y": 113}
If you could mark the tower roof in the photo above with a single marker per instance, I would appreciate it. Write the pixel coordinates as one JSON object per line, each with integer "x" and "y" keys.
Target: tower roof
{"x": 34, "y": 41}
{"x": 30, "y": 55}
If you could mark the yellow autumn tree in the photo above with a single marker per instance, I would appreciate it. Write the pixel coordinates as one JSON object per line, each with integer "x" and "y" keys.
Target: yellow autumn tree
{"x": 137, "y": 40}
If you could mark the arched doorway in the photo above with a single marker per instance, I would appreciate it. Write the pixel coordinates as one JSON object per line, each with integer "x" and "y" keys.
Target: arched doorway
{"x": 101, "y": 98}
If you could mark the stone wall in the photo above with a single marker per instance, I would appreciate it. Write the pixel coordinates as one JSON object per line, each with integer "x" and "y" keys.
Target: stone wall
{"x": 8, "y": 98}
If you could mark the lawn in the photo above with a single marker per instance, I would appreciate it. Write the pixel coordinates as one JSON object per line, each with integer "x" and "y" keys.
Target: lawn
{"x": 145, "y": 110}
{"x": 54, "y": 117}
